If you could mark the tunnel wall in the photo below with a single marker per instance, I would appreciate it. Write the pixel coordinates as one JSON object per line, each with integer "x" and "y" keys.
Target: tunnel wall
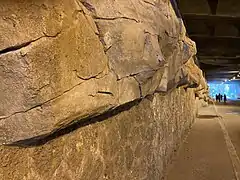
{"x": 136, "y": 143}
{"x": 94, "y": 90}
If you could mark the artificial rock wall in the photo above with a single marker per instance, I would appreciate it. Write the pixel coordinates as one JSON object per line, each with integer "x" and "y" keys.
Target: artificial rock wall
{"x": 93, "y": 89}
{"x": 133, "y": 142}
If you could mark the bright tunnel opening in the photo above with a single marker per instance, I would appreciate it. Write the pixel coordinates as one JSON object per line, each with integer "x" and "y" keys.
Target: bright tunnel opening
{"x": 230, "y": 88}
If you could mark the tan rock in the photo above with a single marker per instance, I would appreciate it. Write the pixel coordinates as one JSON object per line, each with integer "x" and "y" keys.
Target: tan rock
{"x": 65, "y": 61}
{"x": 92, "y": 97}
{"x": 149, "y": 81}
{"x": 36, "y": 79}
{"x": 49, "y": 67}
{"x": 120, "y": 147}
{"x": 128, "y": 90}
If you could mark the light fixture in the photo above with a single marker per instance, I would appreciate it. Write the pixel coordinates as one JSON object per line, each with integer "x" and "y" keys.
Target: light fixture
{"x": 234, "y": 77}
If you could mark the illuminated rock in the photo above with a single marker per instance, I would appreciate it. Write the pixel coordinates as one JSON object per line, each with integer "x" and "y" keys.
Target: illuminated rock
{"x": 64, "y": 61}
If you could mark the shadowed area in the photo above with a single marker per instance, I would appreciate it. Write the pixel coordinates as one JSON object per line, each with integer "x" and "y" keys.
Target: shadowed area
{"x": 214, "y": 26}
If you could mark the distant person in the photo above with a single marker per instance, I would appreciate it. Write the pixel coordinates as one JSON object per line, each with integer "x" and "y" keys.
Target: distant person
{"x": 225, "y": 98}
{"x": 219, "y": 97}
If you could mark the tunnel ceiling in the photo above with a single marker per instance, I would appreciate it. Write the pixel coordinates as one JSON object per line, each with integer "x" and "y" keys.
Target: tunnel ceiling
{"x": 215, "y": 27}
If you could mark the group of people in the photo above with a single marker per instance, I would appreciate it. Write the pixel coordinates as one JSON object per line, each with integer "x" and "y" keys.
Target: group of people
{"x": 220, "y": 97}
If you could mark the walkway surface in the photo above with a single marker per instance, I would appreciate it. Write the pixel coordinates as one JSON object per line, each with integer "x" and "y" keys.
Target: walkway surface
{"x": 212, "y": 149}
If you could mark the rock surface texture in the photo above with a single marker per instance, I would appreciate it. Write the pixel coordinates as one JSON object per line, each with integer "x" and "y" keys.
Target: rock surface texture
{"x": 136, "y": 143}
{"x": 67, "y": 64}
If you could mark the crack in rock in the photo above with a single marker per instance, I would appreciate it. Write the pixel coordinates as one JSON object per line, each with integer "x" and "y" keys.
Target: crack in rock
{"x": 147, "y": 2}
{"x": 76, "y": 124}
{"x": 17, "y": 47}
{"x": 140, "y": 87}
{"x": 108, "y": 93}
{"x": 25, "y": 44}
{"x": 116, "y": 18}
{"x": 105, "y": 92}
{"x": 90, "y": 77}
{"x": 39, "y": 105}
{"x": 88, "y": 6}
{"x": 52, "y": 99}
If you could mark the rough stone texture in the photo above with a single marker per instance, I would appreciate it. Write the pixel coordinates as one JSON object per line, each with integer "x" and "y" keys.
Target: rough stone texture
{"x": 67, "y": 60}
{"x": 94, "y": 89}
{"x": 136, "y": 143}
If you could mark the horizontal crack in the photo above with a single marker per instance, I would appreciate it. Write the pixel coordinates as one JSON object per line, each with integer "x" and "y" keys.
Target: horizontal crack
{"x": 24, "y": 44}
{"x": 88, "y": 78}
{"x": 101, "y": 93}
{"x": 105, "y": 92}
{"x": 116, "y": 18}
{"x": 17, "y": 47}
{"x": 77, "y": 123}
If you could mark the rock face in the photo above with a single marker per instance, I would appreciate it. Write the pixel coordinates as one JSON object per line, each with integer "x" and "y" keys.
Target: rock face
{"x": 68, "y": 60}
{"x": 67, "y": 64}
{"x": 134, "y": 142}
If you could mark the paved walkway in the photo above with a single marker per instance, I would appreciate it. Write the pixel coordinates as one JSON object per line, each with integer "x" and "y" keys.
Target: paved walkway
{"x": 212, "y": 148}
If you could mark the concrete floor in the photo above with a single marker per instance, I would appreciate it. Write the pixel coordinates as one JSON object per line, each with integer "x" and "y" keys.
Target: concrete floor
{"x": 212, "y": 148}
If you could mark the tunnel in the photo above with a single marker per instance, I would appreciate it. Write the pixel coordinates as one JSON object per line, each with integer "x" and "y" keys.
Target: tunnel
{"x": 119, "y": 89}
{"x": 214, "y": 26}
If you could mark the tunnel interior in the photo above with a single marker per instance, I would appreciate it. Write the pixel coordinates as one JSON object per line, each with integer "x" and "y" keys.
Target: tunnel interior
{"x": 215, "y": 27}
{"x": 109, "y": 90}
